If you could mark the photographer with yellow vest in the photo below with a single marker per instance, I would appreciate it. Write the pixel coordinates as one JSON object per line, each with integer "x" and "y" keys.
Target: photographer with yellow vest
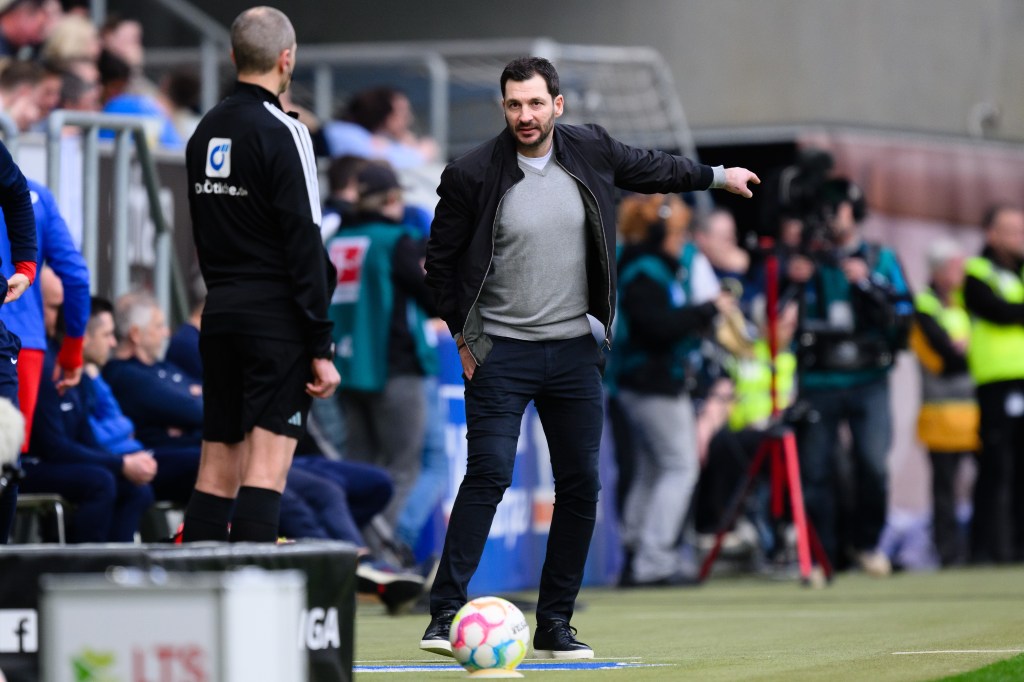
{"x": 948, "y": 421}
{"x": 994, "y": 296}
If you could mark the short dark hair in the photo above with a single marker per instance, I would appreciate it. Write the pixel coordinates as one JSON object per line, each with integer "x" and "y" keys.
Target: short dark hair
{"x": 992, "y": 214}
{"x": 99, "y": 305}
{"x": 20, "y": 72}
{"x": 343, "y": 170}
{"x": 112, "y": 68}
{"x": 525, "y": 68}
{"x": 370, "y": 108}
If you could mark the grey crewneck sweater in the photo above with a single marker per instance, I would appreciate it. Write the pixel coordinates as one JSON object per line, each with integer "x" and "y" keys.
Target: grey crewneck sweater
{"x": 537, "y": 286}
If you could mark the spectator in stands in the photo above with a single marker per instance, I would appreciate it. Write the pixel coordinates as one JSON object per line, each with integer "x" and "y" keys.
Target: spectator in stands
{"x": 342, "y": 182}
{"x": 177, "y": 465}
{"x": 26, "y": 318}
{"x": 180, "y": 89}
{"x": 379, "y": 310}
{"x": 119, "y": 98}
{"x": 73, "y": 39}
{"x": 658, "y": 328}
{"x": 18, "y": 82}
{"x": 122, "y": 37}
{"x": 377, "y": 124}
{"x": 47, "y": 90}
{"x": 110, "y": 490}
{"x": 183, "y": 349}
{"x": 78, "y": 94}
{"x": 948, "y": 421}
{"x": 994, "y": 297}
{"x": 23, "y": 26}
{"x": 165, "y": 404}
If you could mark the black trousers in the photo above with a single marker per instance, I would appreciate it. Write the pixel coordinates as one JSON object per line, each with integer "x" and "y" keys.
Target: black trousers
{"x": 947, "y": 535}
{"x": 997, "y": 530}
{"x": 563, "y": 380}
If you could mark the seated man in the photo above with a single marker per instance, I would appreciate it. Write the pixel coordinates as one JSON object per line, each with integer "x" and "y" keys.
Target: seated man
{"x": 110, "y": 490}
{"x": 165, "y": 405}
{"x": 177, "y": 465}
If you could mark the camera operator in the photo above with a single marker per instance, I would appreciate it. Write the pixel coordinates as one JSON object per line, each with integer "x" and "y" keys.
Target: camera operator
{"x": 994, "y": 296}
{"x": 856, "y": 312}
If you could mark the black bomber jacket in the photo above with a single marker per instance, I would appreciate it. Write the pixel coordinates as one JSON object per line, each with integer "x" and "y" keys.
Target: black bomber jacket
{"x": 461, "y": 241}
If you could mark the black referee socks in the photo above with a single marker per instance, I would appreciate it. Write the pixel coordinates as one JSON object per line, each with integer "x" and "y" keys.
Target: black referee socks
{"x": 207, "y": 517}
{"x": 257, "y": 515}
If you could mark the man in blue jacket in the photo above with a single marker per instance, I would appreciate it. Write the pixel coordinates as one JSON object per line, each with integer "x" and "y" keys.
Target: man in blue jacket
{"x": 165, "y": 404}
{"x": 521, "y": 250}
{"x": 110, "y": 488}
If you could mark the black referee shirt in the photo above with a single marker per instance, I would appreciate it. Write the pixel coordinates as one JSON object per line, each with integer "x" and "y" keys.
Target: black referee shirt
{"x": 255, "y": 206}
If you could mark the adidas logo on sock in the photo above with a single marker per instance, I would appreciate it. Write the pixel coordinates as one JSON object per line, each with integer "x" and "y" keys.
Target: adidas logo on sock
{"x": 295, "y": 419}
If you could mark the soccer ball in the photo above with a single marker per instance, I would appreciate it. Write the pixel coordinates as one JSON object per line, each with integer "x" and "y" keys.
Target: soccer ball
{"x": 489, "y": 633}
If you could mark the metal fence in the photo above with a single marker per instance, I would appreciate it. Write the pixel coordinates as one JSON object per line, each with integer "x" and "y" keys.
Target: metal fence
{"x": 130, "y": 134}
{"x": 629, "y": 90}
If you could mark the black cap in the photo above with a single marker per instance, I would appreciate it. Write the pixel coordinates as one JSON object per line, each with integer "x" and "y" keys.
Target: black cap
{"x": 376, "y": 178}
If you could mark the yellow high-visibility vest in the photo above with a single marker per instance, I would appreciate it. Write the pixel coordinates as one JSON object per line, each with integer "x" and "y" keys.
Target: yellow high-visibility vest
{"x": 996, "y": 352}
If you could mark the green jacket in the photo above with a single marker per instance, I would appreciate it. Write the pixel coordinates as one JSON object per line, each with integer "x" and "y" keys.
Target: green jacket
{"x": 362, "y": 306}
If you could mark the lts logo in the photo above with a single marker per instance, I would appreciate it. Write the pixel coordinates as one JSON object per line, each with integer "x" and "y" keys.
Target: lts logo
{"x": 218, "y": 158}
{"x": 19, "y": 631}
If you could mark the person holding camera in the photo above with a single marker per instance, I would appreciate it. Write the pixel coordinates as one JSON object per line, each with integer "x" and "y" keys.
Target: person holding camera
{"x": 856, "y": 311}
{"x": 994, "y": 296}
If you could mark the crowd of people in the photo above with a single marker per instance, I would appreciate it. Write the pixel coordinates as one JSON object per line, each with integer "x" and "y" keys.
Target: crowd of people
{"x": 701, "y": 367}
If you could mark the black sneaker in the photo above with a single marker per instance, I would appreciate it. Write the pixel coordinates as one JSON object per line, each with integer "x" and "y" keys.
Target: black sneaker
{"x": 435, "y": 639}
{"x": 557, "y": 639}
{"x": 398, "y": 589}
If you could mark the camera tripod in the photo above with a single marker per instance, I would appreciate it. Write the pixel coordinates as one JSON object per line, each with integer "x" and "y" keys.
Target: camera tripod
{"x": 777, "y": 449}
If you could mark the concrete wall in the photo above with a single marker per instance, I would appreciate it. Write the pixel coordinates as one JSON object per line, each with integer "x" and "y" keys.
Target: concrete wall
{"x": 909, "y": 64}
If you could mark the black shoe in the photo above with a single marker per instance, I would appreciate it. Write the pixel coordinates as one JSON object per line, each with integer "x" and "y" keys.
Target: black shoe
{"x": 557, "y": 639}
{"x": 435, "y": 639}
{"x": 398, "y": 589}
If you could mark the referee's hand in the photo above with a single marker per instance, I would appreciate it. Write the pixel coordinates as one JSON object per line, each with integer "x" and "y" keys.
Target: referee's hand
{"x": 325, "y": 378}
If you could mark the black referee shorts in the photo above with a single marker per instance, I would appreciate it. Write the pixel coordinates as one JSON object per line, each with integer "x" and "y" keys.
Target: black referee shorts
{"x": 252, "y": 381}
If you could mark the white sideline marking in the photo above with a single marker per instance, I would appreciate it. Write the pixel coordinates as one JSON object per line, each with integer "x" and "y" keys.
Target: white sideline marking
{"x": 959, "y": 651}
{"x": 448, "y": 660}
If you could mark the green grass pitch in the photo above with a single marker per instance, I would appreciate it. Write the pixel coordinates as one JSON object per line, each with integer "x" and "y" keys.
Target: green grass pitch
{"x": 966, "y": 625}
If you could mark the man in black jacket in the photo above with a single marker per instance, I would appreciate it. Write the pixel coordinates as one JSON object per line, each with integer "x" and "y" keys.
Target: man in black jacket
{"x": 266, "y": 339}
{"x": 521, "y": 251}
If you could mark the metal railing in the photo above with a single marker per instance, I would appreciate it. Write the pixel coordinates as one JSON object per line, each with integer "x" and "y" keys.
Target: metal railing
{"x": 168, "y": 286}
{"x": 462, "y": 76}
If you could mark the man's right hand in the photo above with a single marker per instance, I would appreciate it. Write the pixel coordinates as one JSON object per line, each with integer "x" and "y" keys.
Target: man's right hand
{"x": 139, "y": 467}
{"x": 468, "y": 361}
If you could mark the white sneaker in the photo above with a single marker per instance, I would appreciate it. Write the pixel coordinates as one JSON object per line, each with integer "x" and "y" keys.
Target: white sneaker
{"x": 875, "y": 563}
